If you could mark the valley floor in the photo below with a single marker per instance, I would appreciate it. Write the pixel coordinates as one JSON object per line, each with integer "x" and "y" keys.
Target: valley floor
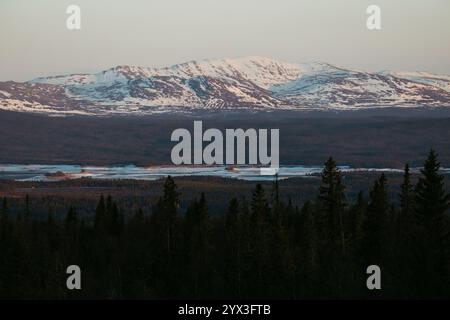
{"x": 383, "y": 138}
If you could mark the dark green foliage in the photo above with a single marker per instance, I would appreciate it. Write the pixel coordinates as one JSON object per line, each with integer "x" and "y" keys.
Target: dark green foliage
{"x": 406, "y": 196}
{"x": 100, "y": 214}
{"x": 406, "y": 241}
{"x": 431, "y": 209}
{"x": 70, "y": 220}
{"x": 306, "y": 251}
{"x": 197, "y": 249}
{"x": 331, "y": 207}
{"x": 233, "y": 260}
{"x": 262, "y": 248}
{"x": 375, "y": 241}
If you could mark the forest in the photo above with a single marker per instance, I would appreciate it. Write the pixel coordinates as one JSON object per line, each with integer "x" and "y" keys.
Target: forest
{"x": 365, "y": 138}
{"x": 264, "y": 247}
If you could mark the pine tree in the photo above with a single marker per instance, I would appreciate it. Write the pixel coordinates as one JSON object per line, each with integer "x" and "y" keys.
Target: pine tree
{"x": 281, "y": 273}
{"x": 52, "y": 232}
{"x": 258, "y": 255}
{"x": 71, "y": 219}
{"x": 116, "y": 220}
{"x": 109, "y": 205}
{"x": 137, "y": 277}
{"x": 431, "y": 206}
{"x": 431, "y": 199}
{"x": 4, "y": 208}
{"x": 332, "y": 247}
{"x": 7, "y": 266}
{"x": 72, "y": 236}
{"x": 355, "y": 225}
{"x": 233, "y": 247}
{"x": 307, "y": 251}
{"x": 197, "y": 250}
{"x": 407, "y": 193}
{"x": 357, "y": 218}
{"x": 100, "y": 214}
{"x": 169, "y": 208}
{"x": 27, "y": 208}
{"x": 166, "y": 241}
{"x": 259, "y": 205}
{"x": 332, "y": 203}
{"x": 405, "y": 240}
{"x": 4, "y": 219}
{"x": 376, "y": 225}
{"x": 276, "y": 192}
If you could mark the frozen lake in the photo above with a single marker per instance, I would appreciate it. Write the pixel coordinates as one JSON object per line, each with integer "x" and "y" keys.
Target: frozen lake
{"x": 64, "y": 172}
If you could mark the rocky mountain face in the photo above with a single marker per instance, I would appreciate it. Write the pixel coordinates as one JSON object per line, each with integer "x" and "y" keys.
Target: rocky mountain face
{"x": 251, "y": 83}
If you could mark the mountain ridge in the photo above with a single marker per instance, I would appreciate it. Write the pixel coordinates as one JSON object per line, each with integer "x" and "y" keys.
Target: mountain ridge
{"x": 247, "y": 83}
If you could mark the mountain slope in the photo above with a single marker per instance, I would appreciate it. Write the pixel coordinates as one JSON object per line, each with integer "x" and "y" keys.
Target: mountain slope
{"x": 327, "y": 86}
{"x": 244, "y": 83}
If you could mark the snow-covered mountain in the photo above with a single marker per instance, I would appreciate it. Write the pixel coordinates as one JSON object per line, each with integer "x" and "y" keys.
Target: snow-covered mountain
{"x": 244, "y": 83}
{"x": 326, "y": 86}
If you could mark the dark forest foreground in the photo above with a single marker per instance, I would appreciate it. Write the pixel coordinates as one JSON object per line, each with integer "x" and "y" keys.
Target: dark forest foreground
{"x": 262, "y": 247}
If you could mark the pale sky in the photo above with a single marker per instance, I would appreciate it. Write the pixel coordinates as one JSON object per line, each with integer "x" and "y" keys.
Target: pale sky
{"x": 34, "y": 40}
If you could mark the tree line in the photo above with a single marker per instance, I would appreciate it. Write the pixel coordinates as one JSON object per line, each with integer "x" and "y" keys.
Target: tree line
{"x": 263, "y": 247}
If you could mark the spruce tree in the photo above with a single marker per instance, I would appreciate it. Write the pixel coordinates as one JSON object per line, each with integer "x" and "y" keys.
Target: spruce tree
{"x": 405, "y": 240}
{"x": 431, "y": 201}
{"x": 332, "y": 203}
{"x": 376, "y": 225}
{"x": 4, "y": 219}
{"x": 4, "y": 208}
{"x": 71, "y": 233}
{"x": 331, "y": 208}
{"x": 71, "y": 218}
{"x": 197, "y": 250}
{"x": 116, "y": 220}
{"x": 259, "y": 243}
{"x": 407, "y": 193}
{"x": 356, "y": 221}
{"x": 165, "y": 241}
{"x": 281, "y": 273}
{"x": 307, "y": 251}
{"x": 27, "y": 208}
{"x": 431, "y": 207}
{"x": 355, "y": 226}
{"x": 100, "y": 214}
{"x": 276, "y": 193}
{"x": 169, "y": 207}
{"x": 233, "y": 254}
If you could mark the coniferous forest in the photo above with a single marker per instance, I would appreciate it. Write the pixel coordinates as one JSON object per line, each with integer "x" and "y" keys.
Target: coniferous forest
{"x": 263, "y": 247}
